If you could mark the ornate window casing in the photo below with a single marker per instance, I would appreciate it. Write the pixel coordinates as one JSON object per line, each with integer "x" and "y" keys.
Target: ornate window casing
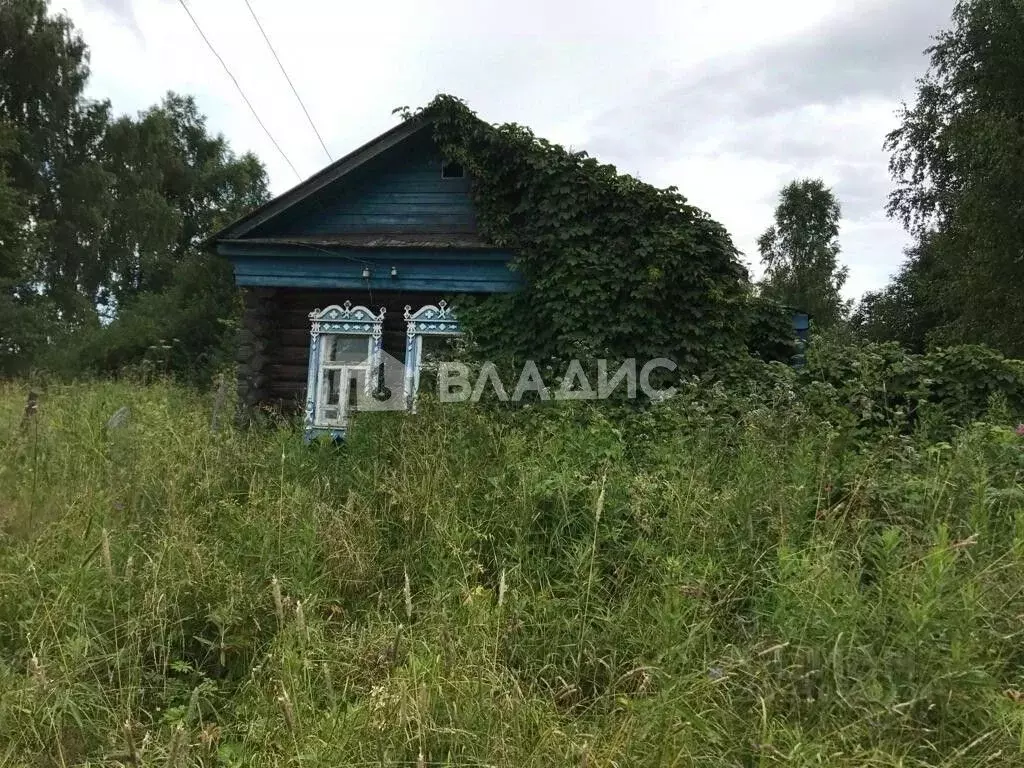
{"x": 431, "y": 323}
{"x": 344, "y": 348}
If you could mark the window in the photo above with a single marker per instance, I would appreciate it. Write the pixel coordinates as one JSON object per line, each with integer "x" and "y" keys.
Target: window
{"x": 344, "y": 349}
{"x": 340, "y": 384}
{"x": 344, "y": 346}
{"x": 429, "y": 336}
{"x": 452, "y": 171}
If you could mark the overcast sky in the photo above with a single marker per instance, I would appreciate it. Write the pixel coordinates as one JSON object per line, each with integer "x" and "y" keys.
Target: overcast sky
{"x": 727, "y": 99}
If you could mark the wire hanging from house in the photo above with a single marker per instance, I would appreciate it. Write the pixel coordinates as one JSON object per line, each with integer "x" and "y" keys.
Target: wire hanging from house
{"x": 286, "y": 77}
{"x": 252, "y": 109}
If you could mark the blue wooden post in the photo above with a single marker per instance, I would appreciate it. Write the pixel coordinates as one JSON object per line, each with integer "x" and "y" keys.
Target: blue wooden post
{"x": 801, "y": 326}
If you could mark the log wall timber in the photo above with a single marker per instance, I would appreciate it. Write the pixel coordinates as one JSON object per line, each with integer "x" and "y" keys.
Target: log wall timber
{"x": 254, "y": 348}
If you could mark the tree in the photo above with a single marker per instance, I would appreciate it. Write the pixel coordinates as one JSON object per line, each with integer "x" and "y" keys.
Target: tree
{"x": 903, "y": 311}
{"x": 105, "y": 216}
{"x": 174, "y": 185}
{"x": 22, "y": 320}
{"x": 55, "y": 161}
{"x": 958, "y": 163}
{"x": 12, "y": 214}
{"x": 800, "y": 252}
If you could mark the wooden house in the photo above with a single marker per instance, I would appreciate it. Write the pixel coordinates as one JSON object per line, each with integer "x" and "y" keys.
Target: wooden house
{"x": 351, "y": 266}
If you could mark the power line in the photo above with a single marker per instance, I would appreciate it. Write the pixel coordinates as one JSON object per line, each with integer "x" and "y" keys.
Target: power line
{"x": 290, "y": 83}
{"x": 246, "y": 98}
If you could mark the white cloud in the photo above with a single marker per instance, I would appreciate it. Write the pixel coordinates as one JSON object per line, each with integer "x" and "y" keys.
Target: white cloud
{"x": 728, "y": 100}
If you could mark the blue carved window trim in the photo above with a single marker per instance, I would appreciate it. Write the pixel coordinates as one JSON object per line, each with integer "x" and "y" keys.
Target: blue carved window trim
{"x": 326, "y": 324}
{"x": 430, "y": 320}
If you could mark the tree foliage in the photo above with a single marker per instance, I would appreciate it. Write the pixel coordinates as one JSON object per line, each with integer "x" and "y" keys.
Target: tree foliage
{"x": 958, "y": 161}
{"x": 905, "y": 311}
{"x": 801, "y": 252}
{"x": 882, "y": 387}
{"x": 55, "y": 160}
{"x": 614, "y": 268}
{"x": 175, "y": 185}
{"x": 22, "y": 319}
{"x": 101, "y": 217}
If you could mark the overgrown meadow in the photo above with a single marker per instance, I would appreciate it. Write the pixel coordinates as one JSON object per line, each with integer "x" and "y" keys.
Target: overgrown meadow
{"x": 742, "y": 576}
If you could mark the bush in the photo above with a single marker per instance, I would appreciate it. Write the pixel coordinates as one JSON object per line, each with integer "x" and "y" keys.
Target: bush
{"x": 882, "y": 387}
{"x": 187, "y": 331}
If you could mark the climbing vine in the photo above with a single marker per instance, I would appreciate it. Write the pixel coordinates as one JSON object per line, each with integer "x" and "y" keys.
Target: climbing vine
{"x": 614, "y": 268}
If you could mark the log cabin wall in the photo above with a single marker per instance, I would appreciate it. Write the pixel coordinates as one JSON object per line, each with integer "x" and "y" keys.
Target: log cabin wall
{"x": 252, "y": 353}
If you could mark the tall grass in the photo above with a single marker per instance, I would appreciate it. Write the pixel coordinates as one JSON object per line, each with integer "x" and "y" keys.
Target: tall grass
{"x": 744, "y": 586}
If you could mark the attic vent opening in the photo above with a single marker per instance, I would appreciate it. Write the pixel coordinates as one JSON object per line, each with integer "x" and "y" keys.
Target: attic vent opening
{"x": 452, "y": 171}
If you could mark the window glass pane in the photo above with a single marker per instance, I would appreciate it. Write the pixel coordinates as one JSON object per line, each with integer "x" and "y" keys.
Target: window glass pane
{"x": 355, "y": 389}
{"x": 438, "y": 349}
{"x": 347, "y": 349}
{"x": 332, "y": 387}
{"x": 330, "y": 397}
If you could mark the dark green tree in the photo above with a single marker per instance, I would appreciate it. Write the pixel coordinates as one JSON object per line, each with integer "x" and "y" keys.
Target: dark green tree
{"x": 55, "y": 159}
{"x": 905, "y": 310}
{"x": 958, "y": 163}
{"x": 801, "y": 252}
{"x": 104, "y": 217}
{"x": 174, "y": 185}
{"x": 13, "y": 230}
{"x": 22, "y": 311}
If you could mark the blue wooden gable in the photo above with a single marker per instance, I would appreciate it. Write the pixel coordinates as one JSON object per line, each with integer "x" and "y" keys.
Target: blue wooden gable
{"x": 389, "y": 217}
{"x": 403, "y": 191}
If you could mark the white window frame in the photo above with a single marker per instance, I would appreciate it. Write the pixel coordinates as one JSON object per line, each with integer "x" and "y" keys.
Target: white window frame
{"x": 429, "y": 320}
{"x": 350, "y": 321}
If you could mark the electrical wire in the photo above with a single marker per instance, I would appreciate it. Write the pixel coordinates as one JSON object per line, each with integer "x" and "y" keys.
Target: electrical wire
{"x": 239, "y": 87}
{"x": 286, "y": 77}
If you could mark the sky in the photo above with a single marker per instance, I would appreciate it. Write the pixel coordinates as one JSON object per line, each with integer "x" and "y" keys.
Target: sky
{"x": 727, "y": 100}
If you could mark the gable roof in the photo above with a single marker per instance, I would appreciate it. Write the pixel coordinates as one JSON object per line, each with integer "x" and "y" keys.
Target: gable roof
{"x": 318, "y": 181}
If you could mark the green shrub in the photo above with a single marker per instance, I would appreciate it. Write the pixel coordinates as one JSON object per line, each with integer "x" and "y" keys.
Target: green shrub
{"x": 186, "y": 331}
{"x": 884, "y": 388}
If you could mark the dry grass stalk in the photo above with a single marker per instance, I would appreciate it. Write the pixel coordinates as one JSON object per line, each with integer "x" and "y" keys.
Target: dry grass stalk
{"x": 129, "y": 740}
{"x": 193, "y": 705}
{"x": 300, "y": 621}
{"x": 407, "y": 591}
{"x": 108, "y": 561}
{"x": 328, "y": 682}
{"x": 36, "y": 670}
{"x": 285, "y": 702}
{"x": 177, "y": 750}
{"x": 275, "y": 588}
{"x": 31, "y": 409}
